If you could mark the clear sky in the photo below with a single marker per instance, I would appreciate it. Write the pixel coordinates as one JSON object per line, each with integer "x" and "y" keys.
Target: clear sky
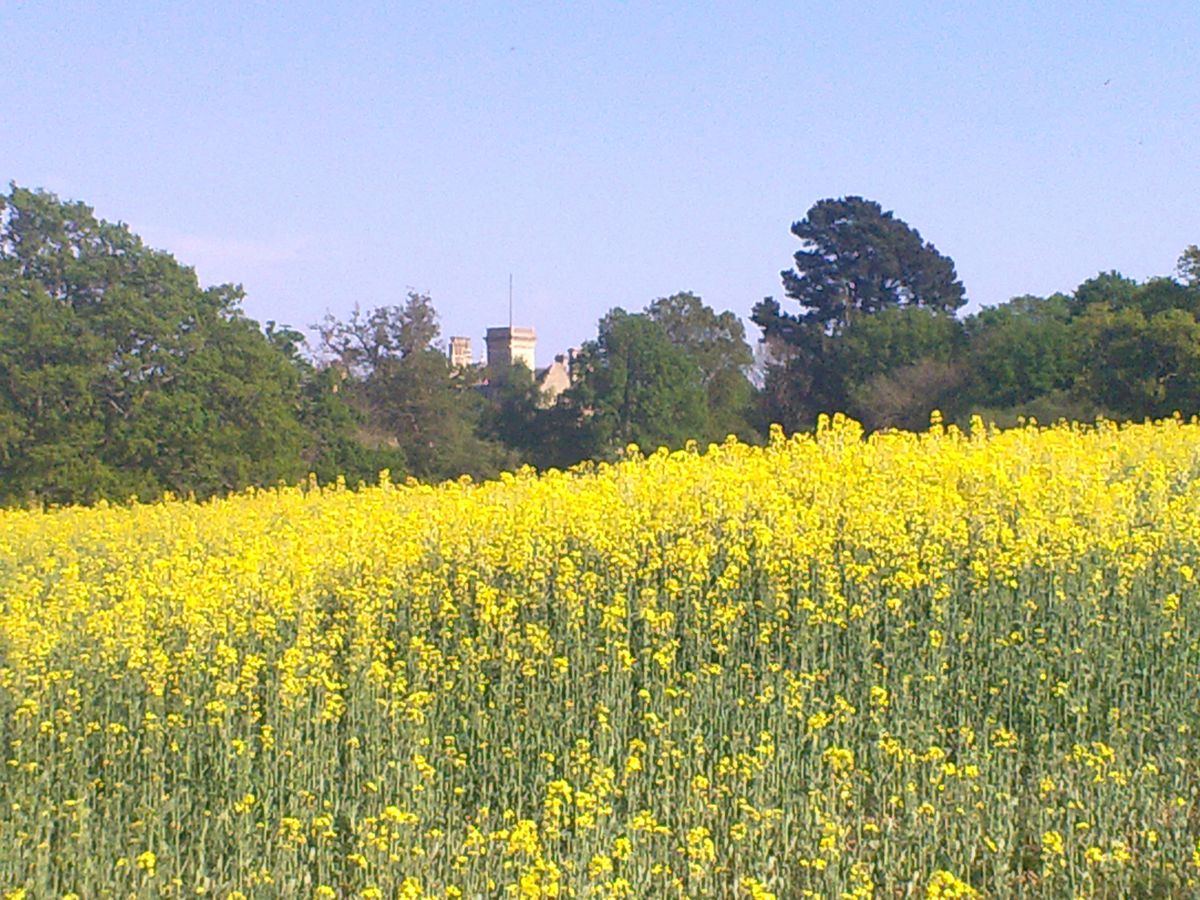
{"x": 605, "y": 153}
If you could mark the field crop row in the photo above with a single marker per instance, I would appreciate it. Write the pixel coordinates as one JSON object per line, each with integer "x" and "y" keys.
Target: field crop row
{"x": 936, "y": 664}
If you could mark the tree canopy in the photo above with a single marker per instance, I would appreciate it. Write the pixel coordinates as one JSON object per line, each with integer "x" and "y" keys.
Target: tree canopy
{"x": 1189, "y": 266}
{"x": 635, "y": 386}
{"x": 855, "y": 258}
{"x": 873, "y": 295}
{"x": 716, "y": 342}
{"x": 120, "y": 375}
{"x": 409, "y": 399}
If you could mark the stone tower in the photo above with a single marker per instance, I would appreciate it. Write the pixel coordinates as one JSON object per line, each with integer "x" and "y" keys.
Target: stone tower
{"x": 507, "y": 345}
{"x": 460, "y": 352}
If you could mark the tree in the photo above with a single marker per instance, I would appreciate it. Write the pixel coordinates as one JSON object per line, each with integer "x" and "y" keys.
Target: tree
{"x": 1111, "y": 287}
{"x": 906, "y": 396}
{"x": 1022, "y": 350}
{"x": 717, "y": 344}
{"x": 1142, "y": 365}
{"x": 1189, "y": 266}
{"x": 52, "y": 426}
{"x": 856, "y": 264}
{"x": 855, "y": 259}
{"x": 635, "y": 386}
{"x": 365, "y": 340}
{"x": 861, "y": 366}
{"x": 512, "y": 413}
{"x": 120, "y": 375}
{"x": 409, "y": 398}
{"x": 338, "y": 440}
{"x": 891, "y": 369}
{"x": 891, "y": 339}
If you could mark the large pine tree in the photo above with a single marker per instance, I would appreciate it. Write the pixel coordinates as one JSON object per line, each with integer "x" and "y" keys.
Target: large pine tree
{"x": 854, "y": 259}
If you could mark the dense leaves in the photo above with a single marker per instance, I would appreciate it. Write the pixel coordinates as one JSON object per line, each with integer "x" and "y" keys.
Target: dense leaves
{"x": 877, "y": 337}
{"x": 636, "y": 386}
{"x": 855, "y": 259}
{"x": 716, "y": 342}
{"x": 408, "y": 399}
{"x": 874, "y": 298}
{"x": 119, "y": 375}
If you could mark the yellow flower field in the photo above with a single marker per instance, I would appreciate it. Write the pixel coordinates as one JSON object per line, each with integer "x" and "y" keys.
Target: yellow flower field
{"x": 932, "y": 665}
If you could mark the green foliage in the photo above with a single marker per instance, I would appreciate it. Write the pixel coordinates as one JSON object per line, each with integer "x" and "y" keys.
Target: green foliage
{"x": 1189, "y": 266}
{"x": 717, "y": 344}
{"x": 434, "y": 415}
{"x": 513, "y": 414}
{"x": 119, "y": 375}
{"x": 51, "y": 426}
{"x": 898, "y": 336}
{"x": 1117, "y": 347}
{"x": 888, "y": 369}
{"x": 875, "y": 298}
{"x": 1021, "y": 350}
{"x": 409, "y": 402}
{"x": 855, "y": 259}
{"x": 895, "y": 367}
{"x": 339, "y": 445}
{"x": 1142, "y": 365}
{"x": 674, "y": 373}
{"x": 636, "y": 386}
{"x": 876, "y": 336}
{"x": 1112, "y": 288}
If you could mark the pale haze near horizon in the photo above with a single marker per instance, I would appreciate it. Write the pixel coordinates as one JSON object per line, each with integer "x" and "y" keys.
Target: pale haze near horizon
{"x": 605, "y": 154}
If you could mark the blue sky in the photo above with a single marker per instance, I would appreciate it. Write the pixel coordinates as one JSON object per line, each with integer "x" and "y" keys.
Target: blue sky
{"x": 605, "y": 154}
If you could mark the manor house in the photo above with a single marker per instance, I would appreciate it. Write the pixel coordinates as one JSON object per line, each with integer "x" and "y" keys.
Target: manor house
{"x": 508, "y": 346}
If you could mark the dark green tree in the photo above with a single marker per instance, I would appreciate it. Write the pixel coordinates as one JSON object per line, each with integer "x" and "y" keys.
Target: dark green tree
{"x": 891, "y": 369}
{"x": 1140, "y": 365}
{"x": 119, "y": 375}
{"x": 887, "y": 369}
{"x": 1111, "y": 288}
{"x": 513, "y": 414}
{"x": 856, "y": 263}
{"x": 1162, "y": 294}
{"x": 52, "y": 424}
{"x": 408, "y": 396}
{"x": 1022, "y": 350}
{"x": 339, "y": 441}
{"x": 717, "y": 344}
{"x": 1116, "y": 347}
{"x": 635, "y": 386}
{"x": 890, "y": 339}
{"x": 854, "y": 259}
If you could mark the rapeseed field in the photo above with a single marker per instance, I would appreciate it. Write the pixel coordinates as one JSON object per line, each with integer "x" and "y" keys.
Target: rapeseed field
{"x": 914, "y": 665}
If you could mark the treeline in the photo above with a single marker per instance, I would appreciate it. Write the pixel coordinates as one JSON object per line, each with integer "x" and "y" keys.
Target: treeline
{"x": 1114, "y": 348}
{"x": 121, "y": 376}
{"x": 877, "y": 336}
